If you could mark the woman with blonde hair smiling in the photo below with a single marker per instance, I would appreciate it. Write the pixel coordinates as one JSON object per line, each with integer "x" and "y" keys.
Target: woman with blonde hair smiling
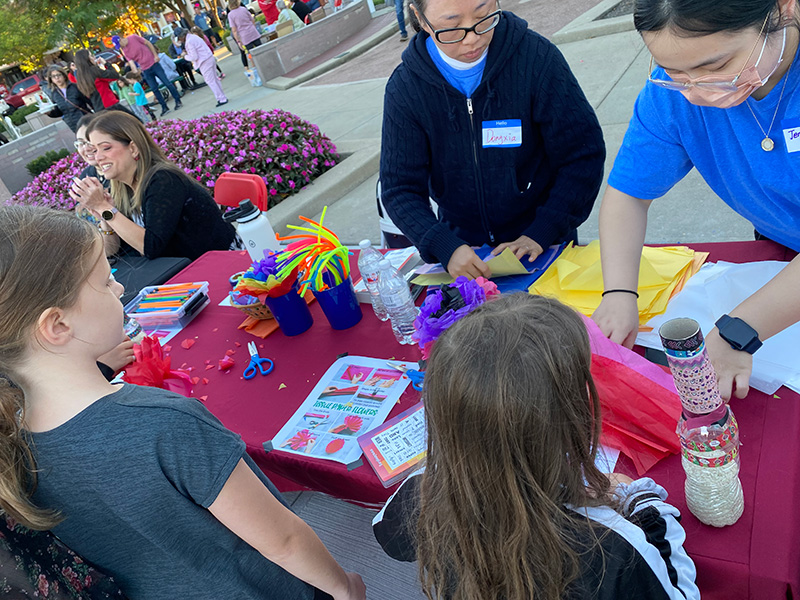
{"x": 154, "y": 207}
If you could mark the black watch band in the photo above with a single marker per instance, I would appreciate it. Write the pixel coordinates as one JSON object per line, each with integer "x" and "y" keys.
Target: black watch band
{"x": 738, "y": 334}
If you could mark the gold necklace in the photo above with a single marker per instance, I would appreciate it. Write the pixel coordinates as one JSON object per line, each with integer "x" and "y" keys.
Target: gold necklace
{"x": 767, "y": 144}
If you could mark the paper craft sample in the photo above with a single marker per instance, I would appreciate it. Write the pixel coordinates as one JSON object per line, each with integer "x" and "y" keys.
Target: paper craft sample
{"x": 398, "y": 446}
{"x": 517, "y": 275}
{"x": 339, "y": 410}
{"x": 502, "y": 265}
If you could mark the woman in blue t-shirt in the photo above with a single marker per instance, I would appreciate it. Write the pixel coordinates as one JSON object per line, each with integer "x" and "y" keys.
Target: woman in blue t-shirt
{"x": 723, "y": 98}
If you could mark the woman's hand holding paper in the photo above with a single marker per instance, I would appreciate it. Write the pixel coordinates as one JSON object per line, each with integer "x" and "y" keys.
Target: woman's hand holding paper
{"x": 465, "y": 262}
{"x": 520, "y": 247}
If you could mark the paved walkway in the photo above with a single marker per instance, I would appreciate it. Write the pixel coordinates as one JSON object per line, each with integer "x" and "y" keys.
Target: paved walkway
{"x": 347, "y": 104}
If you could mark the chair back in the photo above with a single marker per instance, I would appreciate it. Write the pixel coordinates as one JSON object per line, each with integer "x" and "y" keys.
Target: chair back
{"x": 232, "y": 188}
{"x": 284, "y": 28}
{"x": 317, "y": 14}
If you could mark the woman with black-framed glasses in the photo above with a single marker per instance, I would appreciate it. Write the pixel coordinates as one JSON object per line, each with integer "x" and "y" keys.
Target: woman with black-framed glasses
{"x": 722, "y": 97}
{"x": 485, "y": 117}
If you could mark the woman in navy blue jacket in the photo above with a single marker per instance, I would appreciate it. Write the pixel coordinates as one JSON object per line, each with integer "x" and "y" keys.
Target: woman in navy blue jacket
{"x": 485, "y": 117}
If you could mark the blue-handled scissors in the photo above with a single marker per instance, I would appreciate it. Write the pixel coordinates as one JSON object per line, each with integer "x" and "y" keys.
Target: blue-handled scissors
{"x": 257, "y": 364}
{"x": 416, "y": 377}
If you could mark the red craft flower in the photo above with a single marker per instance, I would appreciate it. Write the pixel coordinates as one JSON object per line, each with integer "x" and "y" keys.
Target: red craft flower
{"x": 300, "y": 440}
{"x": 152, "y": 368}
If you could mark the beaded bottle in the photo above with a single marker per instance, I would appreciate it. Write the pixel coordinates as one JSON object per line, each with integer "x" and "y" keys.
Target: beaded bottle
{"x": 709, "y": 435}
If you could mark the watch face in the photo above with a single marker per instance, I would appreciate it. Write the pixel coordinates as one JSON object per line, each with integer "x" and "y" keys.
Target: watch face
{"x": 738, "y": 332}
{"x": 107, "y": 215}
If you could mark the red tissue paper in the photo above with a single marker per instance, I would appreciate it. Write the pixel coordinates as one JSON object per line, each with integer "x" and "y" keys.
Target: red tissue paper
{"x": 151, "y": 368}
{"x": 639, "y": 402}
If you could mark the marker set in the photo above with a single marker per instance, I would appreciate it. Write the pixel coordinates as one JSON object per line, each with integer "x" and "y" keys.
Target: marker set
{"x": 169, "y": 306}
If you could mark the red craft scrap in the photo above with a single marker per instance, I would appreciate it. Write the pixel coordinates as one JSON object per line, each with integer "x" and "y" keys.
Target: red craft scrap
{"x": 187, "y": 343}
{"x": 226, "y": 363}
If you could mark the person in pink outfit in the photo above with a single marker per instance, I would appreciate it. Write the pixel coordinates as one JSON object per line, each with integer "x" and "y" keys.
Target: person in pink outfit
{"x": 202, "y": 59}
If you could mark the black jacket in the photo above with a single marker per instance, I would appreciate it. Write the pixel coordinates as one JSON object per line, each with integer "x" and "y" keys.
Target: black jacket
{"x": 301, "y": 10}
{"x": 73, "y": 106}
{"x": 635, "y": 554}
{"x": 432, "y": 146}
{"x": 181, "y": 218}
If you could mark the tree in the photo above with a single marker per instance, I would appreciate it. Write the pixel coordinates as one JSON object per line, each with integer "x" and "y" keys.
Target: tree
{"x": 23, "y": 36}
{"x": 77, "y": 23}
{"x": 29, "y": 28}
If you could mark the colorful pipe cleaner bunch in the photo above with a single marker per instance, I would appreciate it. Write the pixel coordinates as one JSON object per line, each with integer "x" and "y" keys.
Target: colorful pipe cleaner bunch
{"x": 447, "y": 305}
{"x": 317, "y": 253}
{"x": 266, "y": 278}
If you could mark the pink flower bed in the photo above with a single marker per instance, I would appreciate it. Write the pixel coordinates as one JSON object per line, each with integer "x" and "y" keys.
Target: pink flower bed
{"x": 286, "y": 151}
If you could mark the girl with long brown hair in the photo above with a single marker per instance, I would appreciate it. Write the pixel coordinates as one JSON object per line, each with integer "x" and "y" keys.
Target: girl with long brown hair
{"x": 146, "y": 484}
{"x": 95, "y": 83}
{"x": 511, "y": 505}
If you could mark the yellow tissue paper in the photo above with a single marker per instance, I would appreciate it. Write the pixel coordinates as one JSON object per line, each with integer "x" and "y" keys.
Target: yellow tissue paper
{"x": 576, "y": 277}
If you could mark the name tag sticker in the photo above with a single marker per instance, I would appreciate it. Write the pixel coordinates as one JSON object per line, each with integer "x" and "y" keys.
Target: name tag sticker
{"x": 502, "y": 134}
{"x": 791, "y": 133}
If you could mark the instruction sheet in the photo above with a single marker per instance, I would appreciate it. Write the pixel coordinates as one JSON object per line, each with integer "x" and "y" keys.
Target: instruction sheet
{"x": 355, "y": 395}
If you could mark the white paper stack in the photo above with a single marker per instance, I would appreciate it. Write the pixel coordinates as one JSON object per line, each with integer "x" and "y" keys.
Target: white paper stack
{"x": 716, "y": 290}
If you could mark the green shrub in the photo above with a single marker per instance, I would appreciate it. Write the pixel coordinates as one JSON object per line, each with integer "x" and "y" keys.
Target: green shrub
{"x": 18, "y": 118}
{"x": 40, "y": 164}
{"x": 261, "y": 19}
{"x": 163, "y": 44}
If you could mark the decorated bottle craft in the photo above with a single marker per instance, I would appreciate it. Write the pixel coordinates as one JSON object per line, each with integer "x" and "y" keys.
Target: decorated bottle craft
{"x": 708, "y": 431}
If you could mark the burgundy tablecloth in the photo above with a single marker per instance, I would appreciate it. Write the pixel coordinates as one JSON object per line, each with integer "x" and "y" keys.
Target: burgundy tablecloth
{"x": 758, "y": 557}
{"x": 258, "y": 408}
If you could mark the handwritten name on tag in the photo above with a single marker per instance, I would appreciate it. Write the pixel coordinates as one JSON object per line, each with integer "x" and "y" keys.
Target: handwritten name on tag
{"x": 502, "y": 134}
{"x": 791, "y": 134}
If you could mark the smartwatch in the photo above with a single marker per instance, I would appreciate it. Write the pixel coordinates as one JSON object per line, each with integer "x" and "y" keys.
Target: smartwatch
{"x": 738, "y": 334}
{"x": 109, "y": 214}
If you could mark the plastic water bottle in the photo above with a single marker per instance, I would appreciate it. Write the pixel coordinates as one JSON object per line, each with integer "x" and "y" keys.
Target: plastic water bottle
{"x": 710, "y": 458}
{"x": 255, "y": 230}
{"x": 398, "y": 302}
{"x": 368, "y": 261}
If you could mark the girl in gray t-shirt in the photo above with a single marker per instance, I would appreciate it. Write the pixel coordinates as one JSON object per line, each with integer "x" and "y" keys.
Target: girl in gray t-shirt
{"x": 145, "y": 484}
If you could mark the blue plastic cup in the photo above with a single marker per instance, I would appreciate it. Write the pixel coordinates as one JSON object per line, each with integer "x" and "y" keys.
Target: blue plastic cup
{"x": 339, "y": 303}
{"x": 291, "y": 312}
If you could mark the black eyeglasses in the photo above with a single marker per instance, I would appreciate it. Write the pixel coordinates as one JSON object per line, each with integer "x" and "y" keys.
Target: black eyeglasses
{"x": 454, "y": 35}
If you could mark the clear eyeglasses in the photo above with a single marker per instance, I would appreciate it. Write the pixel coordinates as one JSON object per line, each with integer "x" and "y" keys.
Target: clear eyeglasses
{"x": 454, "y": 35}
{"x": 709, "y": 82}
{"x": 80, "y": 144}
